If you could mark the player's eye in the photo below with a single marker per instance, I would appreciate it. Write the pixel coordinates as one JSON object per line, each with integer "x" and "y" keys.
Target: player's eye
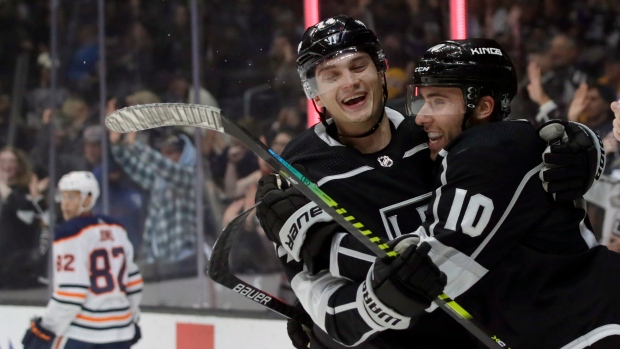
{"x": 330, "y": 77}
{"x": 359, "y": 68}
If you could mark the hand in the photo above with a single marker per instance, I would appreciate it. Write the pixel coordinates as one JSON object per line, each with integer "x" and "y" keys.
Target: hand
{"x": 37, "y": 336}
{"x": 534, "y": 88}
{"x": 286, "y": 215}
{"x": 114, "y": 137}
{"x": 574, "y": 159}
{"x": 130, "y": 138}
{"x": 579, "y": 102}
{"x": 615, "y": 107}
{"x": 47, "y": 116}
{"x": 400, "y": 288}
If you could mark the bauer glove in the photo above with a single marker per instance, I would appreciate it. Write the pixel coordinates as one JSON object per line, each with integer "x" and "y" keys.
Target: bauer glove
{"x": 400, "y": 288}
{"x": 573, "y": 161}
{"x": 289, "y": 218}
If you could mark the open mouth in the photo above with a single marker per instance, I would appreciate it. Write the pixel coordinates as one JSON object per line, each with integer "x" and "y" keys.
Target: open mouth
{"x": 354, "y": 99}
{"x": 434, "y": 137}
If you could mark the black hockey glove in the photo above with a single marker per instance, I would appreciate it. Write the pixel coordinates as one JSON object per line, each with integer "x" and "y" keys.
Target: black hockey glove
{"x": 287, "y": 216}
{"x": 37, "y": 337}
{"x": 573, "y": 161}
{"x": 400, "y": 288}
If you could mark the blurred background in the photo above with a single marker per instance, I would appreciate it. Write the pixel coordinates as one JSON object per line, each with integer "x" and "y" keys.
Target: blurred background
{"x": 65, "y": 64}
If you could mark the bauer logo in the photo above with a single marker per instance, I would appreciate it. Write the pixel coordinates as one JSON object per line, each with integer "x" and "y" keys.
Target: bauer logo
{"x": 252, "y": 294}
{"x": 301, "y": 223}
{"x": 380, "y": 316}
{"x": 486, "y": 51}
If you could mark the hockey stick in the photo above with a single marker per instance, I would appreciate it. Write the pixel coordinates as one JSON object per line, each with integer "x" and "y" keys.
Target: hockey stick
{"x": 146, "y": 116}
{"x": 219, "y": 271}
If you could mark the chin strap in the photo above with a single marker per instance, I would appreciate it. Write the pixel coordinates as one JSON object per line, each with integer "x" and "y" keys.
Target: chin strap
{"x": 379, "y": 120}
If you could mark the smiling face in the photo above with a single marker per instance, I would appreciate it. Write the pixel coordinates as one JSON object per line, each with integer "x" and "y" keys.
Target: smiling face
{"x": 351, "y": 89}
{"x": 441, "y": 115}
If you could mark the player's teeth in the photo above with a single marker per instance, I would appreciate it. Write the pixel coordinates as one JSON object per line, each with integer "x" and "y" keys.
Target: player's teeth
{"x": 434, "y": 135}
{"x": 352, "y": 97}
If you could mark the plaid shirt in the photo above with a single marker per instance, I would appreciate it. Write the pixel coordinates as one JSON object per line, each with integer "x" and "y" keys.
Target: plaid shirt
{"x": 170, "y": 226}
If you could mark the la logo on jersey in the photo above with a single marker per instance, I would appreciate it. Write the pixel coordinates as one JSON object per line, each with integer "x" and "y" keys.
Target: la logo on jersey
{"x": 385, "y": 161}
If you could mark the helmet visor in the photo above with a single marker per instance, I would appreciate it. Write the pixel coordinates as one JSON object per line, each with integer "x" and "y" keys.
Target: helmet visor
{"x": 434, "y": 100}
{"x": 342, "y": 68}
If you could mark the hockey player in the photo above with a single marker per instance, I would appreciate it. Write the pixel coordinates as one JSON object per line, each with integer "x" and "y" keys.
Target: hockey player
{"x": 97, "y": 285}
{"x": 515, "y": 259}
{"x": 376, "y": 163}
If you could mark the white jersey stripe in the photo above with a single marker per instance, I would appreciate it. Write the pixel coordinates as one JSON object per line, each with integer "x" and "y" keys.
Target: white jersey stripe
{"x": 524, "y": 181}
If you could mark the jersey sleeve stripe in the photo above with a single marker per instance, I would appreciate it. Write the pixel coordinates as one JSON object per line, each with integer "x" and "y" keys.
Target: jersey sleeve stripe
{"x": 112, "y": 310}
{"x": 70, "y": 294}
{"x": 104, "y": 319}
{"x": 133, "y": 283}
{"x": 73, "y": 286}
{"x": 134, "y": 292}
{"x": 102, "y": 328}
{"x": 65, "y": 302}
{"x": 134, "y": 273}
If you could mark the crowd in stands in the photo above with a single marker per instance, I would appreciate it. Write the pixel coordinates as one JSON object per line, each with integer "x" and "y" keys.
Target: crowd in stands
{"x": 568, "y": 61}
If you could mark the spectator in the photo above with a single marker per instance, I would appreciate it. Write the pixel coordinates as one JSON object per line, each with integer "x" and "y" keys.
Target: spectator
{"x": 125, "y": 202}
{"x": 21, "y": 218}
{"x": 611, "y": 75}
{"x": 253, "y": 245}
{"x": 69, "y": 131}
{"x": 550, "y": 94}
{"x": 92, "y": 136}
{"x": 20, "y": 138}
{"x": 169, "y": 238}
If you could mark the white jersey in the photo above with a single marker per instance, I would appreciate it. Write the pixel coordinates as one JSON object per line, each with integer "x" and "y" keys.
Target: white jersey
{"x": 97, "y": 285}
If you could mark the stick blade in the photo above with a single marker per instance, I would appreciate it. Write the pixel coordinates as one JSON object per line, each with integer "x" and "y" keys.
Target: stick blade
{"x": 145, "y": 116}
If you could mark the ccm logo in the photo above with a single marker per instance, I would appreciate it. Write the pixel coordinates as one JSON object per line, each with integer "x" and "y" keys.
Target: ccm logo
{"x": 486, "y": 50}
{"x": 298, "y": 225}
{"x": 422, "y": 69}
{"x": 499, "y": 341}
{"x": 252, "y": 294}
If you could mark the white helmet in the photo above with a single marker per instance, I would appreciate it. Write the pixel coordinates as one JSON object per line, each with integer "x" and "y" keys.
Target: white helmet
{"x": 84, "y": 182}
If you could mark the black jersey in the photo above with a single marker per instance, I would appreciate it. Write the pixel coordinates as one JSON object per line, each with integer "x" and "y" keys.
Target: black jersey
{"x": 516, "y": 259}
{"x": 389, "y": 192}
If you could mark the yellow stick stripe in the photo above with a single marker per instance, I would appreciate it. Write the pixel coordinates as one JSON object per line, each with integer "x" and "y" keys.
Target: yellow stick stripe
{"x": 375, "y": 239}
{"x": 341, "y": 210}
{"x": 366, "y": 232}
{"x": 358, "y": 225}
{"x": 457, "y": 308}
{"x": 383, "y": 246}
{"x": 349, "y": 218}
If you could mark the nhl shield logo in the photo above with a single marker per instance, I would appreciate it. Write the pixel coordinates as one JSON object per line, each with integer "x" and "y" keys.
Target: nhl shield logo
{"x": 385, "y": 161}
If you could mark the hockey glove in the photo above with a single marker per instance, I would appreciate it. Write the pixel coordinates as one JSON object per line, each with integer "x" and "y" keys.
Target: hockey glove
{"x": 573, "y": 161}
{"x": 400, "y": 288}
{"x": 37, "y": 337}
{"x": 286, "y": 215}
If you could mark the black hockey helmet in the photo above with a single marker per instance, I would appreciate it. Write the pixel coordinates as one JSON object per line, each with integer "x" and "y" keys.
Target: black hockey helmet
{"x": 330, "y": 38}
{"x": 479, "y": 67}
